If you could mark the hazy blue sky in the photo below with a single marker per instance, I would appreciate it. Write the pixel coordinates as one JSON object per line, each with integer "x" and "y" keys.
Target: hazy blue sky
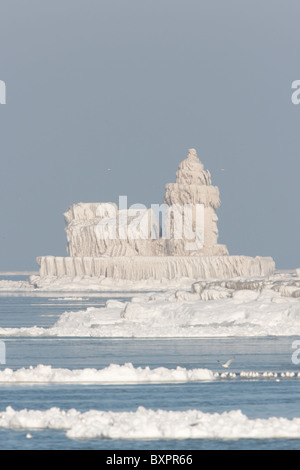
{"x": 131, "y": 85}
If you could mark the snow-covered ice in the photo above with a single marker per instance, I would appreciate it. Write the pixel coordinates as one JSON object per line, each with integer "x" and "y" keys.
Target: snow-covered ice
{"x": 113, "y": 374}
{"x": 128, "y": 374}
{"x": 36, "y": 284}
{"x": 151, "y": 424}
{"x": 237, "y": 307}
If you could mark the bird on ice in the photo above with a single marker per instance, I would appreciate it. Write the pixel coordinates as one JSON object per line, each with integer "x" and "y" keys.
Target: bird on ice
{"x": 226, "y": 364}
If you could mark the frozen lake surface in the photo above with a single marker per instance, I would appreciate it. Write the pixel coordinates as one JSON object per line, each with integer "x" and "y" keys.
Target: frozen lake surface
{"x": 261, "y": 397}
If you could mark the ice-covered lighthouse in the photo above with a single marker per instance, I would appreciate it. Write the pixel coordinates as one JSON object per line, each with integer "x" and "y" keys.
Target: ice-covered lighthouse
{"x": 177, "y": 239}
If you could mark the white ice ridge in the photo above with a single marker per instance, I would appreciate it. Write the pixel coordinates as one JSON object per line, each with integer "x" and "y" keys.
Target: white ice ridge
{"x": 237, "y": 307}
{"x": 155, "y": 267}
{"x": 151, "y": 424}
{"x": 113, "y": 374}
{"x": 128, "y": 374}
{"x": 241, "y": 307}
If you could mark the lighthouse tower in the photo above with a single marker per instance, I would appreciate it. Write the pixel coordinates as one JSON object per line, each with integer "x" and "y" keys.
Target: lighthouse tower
{"x": 193, "y": 187}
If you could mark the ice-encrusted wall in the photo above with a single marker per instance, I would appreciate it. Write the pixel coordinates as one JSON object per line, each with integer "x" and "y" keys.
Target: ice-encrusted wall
{"x": 156, "y": 267}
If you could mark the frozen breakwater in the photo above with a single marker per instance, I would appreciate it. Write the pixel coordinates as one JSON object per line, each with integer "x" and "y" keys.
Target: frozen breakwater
{"x": 138, "y": 268}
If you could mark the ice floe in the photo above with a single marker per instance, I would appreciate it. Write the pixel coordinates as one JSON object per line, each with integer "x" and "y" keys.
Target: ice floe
{"x": 128, "y": 374}
{"x": 151, "y": 424}
{"x": 113, "y": 374}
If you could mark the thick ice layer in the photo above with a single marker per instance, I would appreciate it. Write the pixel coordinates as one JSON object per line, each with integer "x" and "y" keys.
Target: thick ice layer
{"x": 112, "y": 374}
{"x": 138, "y": 268}
{"x": 249, "y": 307}
{"x": 151, "y": 424}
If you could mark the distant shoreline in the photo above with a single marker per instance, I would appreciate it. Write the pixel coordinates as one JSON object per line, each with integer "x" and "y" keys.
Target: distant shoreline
{"x": 17, "y": 273}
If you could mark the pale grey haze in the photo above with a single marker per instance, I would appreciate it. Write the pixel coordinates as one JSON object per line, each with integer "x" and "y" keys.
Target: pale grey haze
{"x": 130, "y": 86}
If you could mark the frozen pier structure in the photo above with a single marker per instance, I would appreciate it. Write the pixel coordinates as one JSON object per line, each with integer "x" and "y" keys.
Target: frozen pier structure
{"x": 178, "y": 238}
